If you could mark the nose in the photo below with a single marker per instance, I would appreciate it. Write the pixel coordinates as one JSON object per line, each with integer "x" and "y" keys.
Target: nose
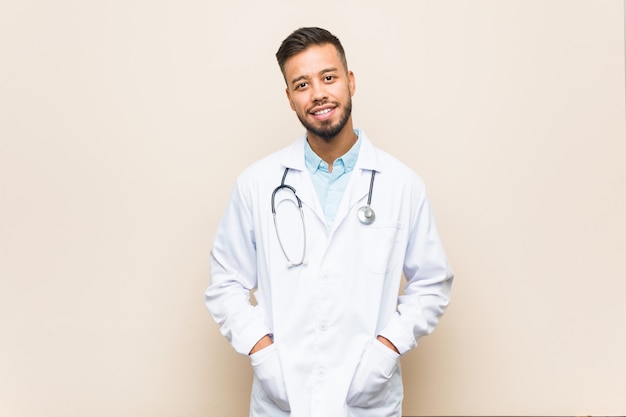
{"x": 318, "y": 92}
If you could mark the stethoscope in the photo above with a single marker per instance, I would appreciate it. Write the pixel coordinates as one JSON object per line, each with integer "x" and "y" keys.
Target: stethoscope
{"x": 366, "y": 215}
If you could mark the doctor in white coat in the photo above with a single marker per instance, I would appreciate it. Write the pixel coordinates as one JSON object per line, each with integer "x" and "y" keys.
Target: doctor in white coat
{"x": 324, "y": 231}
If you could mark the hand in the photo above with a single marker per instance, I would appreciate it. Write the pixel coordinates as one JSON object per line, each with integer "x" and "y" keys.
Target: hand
{"x": 264, "y": 342}
{"x": 387, "y": 343}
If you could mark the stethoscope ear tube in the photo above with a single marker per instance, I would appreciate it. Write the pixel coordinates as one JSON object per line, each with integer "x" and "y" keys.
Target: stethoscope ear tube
{"x": 280, "y": 187}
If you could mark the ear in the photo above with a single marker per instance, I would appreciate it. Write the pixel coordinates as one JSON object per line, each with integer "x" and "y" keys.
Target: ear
{"x": 351, "y": 83}
{"x": 290, "y": 100}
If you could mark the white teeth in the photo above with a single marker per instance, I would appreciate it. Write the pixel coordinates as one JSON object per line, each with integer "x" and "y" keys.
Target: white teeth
{"x": 319, "y": 113}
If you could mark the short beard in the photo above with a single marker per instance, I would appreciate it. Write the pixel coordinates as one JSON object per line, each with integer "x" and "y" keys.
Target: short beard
{"x": 327, "y": 131}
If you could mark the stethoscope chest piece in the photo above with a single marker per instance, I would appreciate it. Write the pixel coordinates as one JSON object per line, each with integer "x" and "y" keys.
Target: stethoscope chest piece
{"x": 366, "y": 215}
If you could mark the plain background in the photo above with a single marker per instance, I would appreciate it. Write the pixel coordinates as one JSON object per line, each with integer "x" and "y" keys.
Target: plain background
{"x": 123, "y": 125}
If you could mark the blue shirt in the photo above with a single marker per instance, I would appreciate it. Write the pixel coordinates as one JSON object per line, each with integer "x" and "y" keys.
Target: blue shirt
{"x": 331, "y": 185}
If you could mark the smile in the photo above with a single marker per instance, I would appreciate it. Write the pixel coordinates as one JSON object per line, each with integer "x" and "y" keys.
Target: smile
{"x": 321, "y": 112}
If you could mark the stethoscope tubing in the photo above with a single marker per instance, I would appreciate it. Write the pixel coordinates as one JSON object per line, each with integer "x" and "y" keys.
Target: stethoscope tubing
{"x": 282, "y": 185}
{"x": 365, "y": 215}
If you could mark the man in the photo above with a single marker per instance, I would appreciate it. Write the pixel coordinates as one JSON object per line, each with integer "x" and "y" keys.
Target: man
{"x": 323, "y": 230}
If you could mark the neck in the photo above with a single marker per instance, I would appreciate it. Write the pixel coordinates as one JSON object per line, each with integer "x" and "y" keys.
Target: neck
{"x": 331, "y": 149}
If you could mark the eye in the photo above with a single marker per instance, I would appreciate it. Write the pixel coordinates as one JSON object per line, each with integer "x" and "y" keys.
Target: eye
{"x": 329, "y": 78}
{"x": 301, "y": 86}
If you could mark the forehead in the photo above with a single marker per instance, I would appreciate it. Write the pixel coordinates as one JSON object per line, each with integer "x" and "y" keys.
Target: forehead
{"x": 312, "y": 60}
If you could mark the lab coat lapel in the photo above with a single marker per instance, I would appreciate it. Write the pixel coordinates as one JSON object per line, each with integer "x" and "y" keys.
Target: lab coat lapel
{"x": 359, "y": 184}
{"x": 298, "y": 177}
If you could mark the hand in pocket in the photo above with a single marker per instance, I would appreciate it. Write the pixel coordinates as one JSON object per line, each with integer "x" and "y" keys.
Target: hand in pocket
{"x": 266, "y": 366}
{"x": 370, "y": 383}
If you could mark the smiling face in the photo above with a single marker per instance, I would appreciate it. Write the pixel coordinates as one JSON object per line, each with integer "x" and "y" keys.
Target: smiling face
{"x": 320, "y": 90}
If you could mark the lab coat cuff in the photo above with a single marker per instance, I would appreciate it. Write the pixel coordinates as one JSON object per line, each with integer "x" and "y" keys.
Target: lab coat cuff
{"x": 246, "y": 341}
{"x": 403, "y": 341}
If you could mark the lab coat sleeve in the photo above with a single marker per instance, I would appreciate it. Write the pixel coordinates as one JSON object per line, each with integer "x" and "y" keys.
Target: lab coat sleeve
{"x": 234, "y": 275}
{"x": 429, "y": 279}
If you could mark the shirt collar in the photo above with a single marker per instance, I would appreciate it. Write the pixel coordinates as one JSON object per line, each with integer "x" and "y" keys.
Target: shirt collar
{"x": 346, "y": 162}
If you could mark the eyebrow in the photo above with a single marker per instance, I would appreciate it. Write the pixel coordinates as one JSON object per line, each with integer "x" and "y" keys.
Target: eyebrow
{"x": 322, "y": 72}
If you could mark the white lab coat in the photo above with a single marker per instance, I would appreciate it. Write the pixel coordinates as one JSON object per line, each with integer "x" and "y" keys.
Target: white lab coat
{"x": 324, "y": 316}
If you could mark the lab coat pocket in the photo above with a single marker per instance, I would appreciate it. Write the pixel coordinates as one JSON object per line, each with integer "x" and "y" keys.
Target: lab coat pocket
{"x": 267, "y": 369}
{"x": 370, "y": 384}
{"x": 380, "y": 242}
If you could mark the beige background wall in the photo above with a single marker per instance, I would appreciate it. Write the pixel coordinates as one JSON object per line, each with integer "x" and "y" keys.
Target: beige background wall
{"x": 124, "y": 123}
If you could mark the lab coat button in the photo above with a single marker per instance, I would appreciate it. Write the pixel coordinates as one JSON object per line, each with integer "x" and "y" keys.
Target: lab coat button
{"x": 323, "y": 327}
{"x": 321, "y": 373}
